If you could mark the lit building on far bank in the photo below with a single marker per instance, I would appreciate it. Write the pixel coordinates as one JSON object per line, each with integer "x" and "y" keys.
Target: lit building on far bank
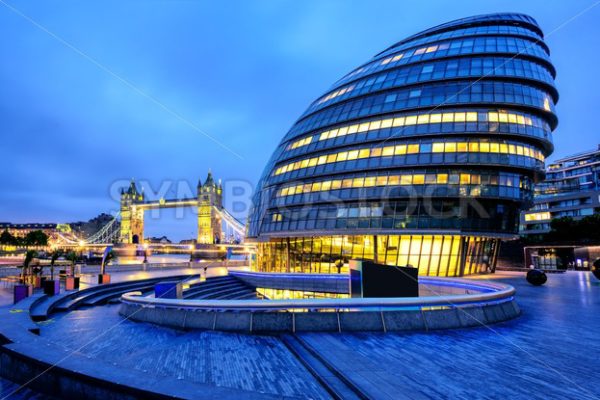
{"x": 423, "y": 156}
{"x": 571, "y": 189}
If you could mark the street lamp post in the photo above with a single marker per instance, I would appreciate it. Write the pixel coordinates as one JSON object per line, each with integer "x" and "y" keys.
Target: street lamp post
{"x": 145, "y": 253}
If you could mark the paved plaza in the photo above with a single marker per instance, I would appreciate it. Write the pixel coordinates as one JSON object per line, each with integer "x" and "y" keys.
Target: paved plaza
{"x": 549, "y": 352}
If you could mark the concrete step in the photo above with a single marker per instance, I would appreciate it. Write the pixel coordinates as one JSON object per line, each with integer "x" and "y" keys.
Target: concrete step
{"x": 200, "y": 290}
{"x": 235, "y": 295}
{"x": 220, "y": 294}
{"x": 74, "y": 299}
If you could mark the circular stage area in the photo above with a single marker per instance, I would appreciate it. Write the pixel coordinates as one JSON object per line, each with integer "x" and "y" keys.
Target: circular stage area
{"x": 443, "y": 303}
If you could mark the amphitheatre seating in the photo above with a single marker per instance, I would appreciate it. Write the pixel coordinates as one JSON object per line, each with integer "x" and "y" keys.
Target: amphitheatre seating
{"x": 94, "y": 295}
{"x": 222, "y": 287}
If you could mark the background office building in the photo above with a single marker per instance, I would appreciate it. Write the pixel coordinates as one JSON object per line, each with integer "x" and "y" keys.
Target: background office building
{"x": 424, "y": 155}
{"x": 571, "y": 189}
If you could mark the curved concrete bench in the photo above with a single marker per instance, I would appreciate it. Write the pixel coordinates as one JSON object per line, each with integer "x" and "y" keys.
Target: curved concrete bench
{"x": 490, "y": 303}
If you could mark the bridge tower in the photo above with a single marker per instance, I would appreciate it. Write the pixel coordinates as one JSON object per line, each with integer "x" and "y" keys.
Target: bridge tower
{"x": 209, "y": 220}
{"x": 132, "y": 217}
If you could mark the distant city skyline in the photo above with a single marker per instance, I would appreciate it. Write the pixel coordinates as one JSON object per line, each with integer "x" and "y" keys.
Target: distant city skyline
{"x": 97, "y": 93}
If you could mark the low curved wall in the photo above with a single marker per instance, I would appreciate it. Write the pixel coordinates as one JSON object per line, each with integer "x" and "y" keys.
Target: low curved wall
{"x": 489, "y": 303}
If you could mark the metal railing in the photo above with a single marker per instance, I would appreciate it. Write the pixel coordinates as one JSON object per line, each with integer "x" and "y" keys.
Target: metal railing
{"x": 485, "y": 293}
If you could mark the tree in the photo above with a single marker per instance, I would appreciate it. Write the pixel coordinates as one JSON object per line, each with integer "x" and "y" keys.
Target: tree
{"x": 26, "y": 267}
{"x": 569, "y": 230}
{"x": 36, "y": 238}
{"x": 72, "y": 257}
{"x": 53, "y": 257}
{"x": 109, "y": 256}
{"x": 7, "y": 238}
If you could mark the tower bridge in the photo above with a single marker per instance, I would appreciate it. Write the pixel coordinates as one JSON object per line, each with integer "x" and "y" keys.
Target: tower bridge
{"x": 215, "y": 223}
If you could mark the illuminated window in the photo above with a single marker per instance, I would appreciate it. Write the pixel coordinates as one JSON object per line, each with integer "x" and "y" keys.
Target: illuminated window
{"x": 411, "y": 120}
{"x": 394, "y": 180}
{"x": 370, "y": 181}
{"x": 358, "y": 182}
{"x": 435, "y": 118}
{"x": 277, "y": 217}
{"x": 364, "y": 153}
{"x": 542, "y": 216}
{"x": 471, "y": 117}
{"x": 376, "y": 152}
{"x": 388, "y": 151}
{"x": 412, "y": 149}
{"x": 400, "y": 149}
{"x": 437, "y": 148}
{"x": 418, "y": 179}
{"x": 386, "y": 123}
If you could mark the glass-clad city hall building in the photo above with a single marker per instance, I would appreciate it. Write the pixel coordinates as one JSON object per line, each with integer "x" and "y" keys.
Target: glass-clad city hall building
{"x": 424, "y": 155}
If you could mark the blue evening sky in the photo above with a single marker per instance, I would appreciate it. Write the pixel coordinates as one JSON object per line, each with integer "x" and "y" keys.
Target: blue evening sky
{"x": 96, "y": 92}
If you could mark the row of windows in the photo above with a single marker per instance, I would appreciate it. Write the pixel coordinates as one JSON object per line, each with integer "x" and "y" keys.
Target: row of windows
{"x": 470, "y": 31}
{"x": 455, "y": 130}
{"x": 540, "y": 216}
{"x": 454, "y": 178}
{"x": 427, "y": 96}
{"x": 419, "y": 119}
{"x": 465, "y": 160}
{"x": 402, "y": 208}
{"x": 582, "y": 212}
{"x": 454, "y": 47}
{"x": 500, "y": 223}
{"x": 573, "y": 172}
{"x": 566, "y": 203}
{"x": 435, "y": 255}
{"x": 407, "y": 191}
{"x": 414, "y": 148}
{"x": 336, "y": 93}
{"x": 443, "y": 69}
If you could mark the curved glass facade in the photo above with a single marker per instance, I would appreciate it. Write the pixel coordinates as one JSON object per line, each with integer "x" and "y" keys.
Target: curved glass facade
{"x": 422, "y": 156}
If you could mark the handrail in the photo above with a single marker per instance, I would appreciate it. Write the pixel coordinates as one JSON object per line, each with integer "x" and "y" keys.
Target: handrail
{"x": 494, "y": 292}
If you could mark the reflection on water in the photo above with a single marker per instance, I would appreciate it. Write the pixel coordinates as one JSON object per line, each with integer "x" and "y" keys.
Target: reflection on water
{"x": 154, "y": 259}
